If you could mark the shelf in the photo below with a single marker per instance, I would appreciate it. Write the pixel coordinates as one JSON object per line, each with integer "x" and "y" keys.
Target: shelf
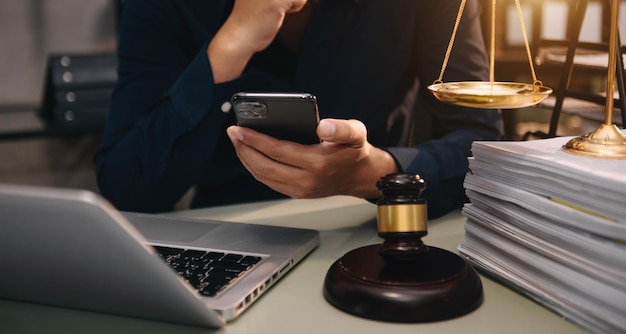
{"x": 23, "y": 123}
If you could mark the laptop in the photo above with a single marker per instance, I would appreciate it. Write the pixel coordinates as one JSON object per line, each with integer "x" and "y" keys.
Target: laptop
{"x": 71, "y": 248}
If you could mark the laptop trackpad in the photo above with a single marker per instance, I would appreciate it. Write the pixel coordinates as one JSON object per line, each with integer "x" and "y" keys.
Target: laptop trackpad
{"x": 158, "y": 228}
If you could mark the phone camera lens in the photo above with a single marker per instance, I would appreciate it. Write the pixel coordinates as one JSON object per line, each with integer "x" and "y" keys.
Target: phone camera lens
{"x": 251, "y": 109}
{"x": 260, "y": 110}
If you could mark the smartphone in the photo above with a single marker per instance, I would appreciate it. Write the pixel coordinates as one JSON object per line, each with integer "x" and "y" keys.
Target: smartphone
{"x": 286, "y": 116}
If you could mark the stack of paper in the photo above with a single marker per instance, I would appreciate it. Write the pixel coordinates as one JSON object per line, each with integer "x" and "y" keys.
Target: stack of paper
{"x": 552, "y": 225}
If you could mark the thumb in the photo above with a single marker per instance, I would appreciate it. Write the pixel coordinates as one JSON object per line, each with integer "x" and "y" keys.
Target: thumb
{"x": 345, "y": 132}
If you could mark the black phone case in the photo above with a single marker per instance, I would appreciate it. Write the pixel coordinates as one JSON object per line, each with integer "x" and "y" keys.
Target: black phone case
{"x": 292, "y": 117}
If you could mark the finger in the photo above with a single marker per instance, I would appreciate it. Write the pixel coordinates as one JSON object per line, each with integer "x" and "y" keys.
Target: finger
{"x": 283, "y": 151}
{"x": 345, "y": 132}
{"x": 276, "y": 175}
{"x": 296, "y": 6}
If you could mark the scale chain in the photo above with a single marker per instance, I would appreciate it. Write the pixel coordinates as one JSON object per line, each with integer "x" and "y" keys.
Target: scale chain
{"x": 536, "y": 83}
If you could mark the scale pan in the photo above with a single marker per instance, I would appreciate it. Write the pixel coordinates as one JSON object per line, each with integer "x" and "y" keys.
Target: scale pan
{"x": 490, "y": 95}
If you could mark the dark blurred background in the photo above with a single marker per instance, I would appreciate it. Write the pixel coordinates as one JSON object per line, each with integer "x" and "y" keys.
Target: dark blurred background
{"x": 32, "y": 30}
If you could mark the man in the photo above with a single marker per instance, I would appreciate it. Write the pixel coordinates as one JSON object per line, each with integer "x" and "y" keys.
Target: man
{"x": 179, "y": 61}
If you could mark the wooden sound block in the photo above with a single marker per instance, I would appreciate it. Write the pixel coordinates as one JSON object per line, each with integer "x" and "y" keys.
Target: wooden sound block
{"x": 438, "y": 285}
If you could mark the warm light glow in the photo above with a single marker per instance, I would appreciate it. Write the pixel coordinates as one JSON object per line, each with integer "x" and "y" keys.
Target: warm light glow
{"x": 607, "y": 141}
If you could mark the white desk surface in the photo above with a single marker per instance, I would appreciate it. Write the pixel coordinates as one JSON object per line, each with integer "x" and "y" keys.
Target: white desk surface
{"x": 295, "y": 304}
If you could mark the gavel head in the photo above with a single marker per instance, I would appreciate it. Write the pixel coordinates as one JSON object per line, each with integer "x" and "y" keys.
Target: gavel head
{"x": 402, "y": 217}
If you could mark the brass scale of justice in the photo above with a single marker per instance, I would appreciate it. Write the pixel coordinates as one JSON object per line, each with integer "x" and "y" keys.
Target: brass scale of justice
{"x": 605, "y": 142}
{"x": 405, "y": 280}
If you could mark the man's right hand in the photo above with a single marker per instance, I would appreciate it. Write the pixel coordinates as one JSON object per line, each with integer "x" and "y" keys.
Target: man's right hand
{"x": 250, "y": 28}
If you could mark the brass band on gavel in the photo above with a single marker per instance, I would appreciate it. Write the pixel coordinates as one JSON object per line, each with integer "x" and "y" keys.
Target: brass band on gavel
{"x": 402, "y": 218}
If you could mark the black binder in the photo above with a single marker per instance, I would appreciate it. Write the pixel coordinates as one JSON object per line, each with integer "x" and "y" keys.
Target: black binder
{"x": 78, "y": 90}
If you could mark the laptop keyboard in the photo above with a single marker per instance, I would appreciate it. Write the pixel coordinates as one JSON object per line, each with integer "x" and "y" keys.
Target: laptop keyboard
{"x": 208, "y": 272}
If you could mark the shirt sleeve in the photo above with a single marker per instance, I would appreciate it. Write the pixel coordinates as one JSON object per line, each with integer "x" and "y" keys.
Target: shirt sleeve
{"x": 165, "y": 120}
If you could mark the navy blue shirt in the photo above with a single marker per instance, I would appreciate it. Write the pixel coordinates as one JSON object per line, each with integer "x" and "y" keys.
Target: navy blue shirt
{"x": 363, "y": 59}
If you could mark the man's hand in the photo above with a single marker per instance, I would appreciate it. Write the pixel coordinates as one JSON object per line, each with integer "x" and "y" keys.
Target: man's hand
{"x": 250, "y": 28}
{"x": 344, "y": 163}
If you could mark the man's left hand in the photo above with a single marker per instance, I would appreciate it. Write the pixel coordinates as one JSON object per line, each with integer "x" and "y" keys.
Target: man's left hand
{"x": 344, "y": 163}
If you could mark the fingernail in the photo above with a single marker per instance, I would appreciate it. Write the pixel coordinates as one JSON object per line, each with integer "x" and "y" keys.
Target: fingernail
{"x": 234, "y": 134}
{"x": 326, "y": 129}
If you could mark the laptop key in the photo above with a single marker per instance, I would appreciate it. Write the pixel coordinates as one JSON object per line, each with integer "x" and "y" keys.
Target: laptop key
{"x": 250, "y": 260}
{"x": 191, "y": 254}
{"x": 211, "y": 289}
{"x": 167, "y": 250}
{"x": 232, "y": 258}
{"x": 214, "y": 255}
